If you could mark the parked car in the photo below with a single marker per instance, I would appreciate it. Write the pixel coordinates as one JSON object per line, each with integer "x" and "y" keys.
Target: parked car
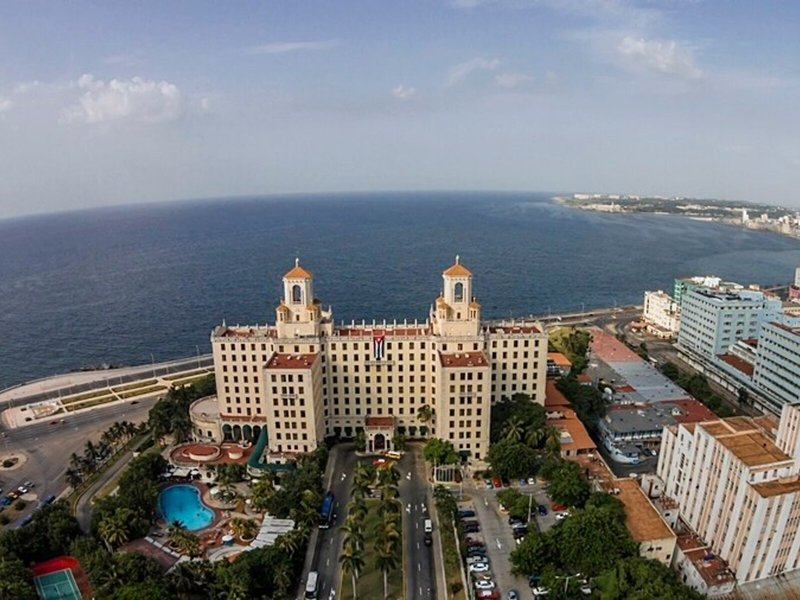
{"x": 542, "y": 509}
{"x": 505, "y": 482}
{"x": 497, "y": 483}
{"x": 518, "y": 525}
{"x": 473, "y": 542}
{"x": 540, "y": 591}
{"x": 513, "y": 595}
{"x": 531, "y": 480}
{"x": 512, "y": 520}
{"x": 562, "y": 515}
{"x": 485, "y": 585}
{"x": 487, "y": 594}
{"x": 476, "y": 559}
{"x": 22, "y": 489}
{"x": 471, "y": 527}
{"x": 558, "y": 507}
{"x": 520, "y": 532}
{"x": 6, "y": 501}
{"x": 522, "y": 482}
{"x": 487, "y": 483}
{"x": 466, "y": 513}
{"x": 478, "y": 567}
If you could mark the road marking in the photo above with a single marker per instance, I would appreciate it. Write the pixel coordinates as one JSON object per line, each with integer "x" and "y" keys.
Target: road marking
{"x": 328, "y": 562}
{"x": 331, "y": 542}
{"x": 419, "y": 567}
{"x": 417, "y": 545}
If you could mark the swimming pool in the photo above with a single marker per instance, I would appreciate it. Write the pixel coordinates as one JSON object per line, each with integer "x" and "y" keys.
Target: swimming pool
{"x": 182, "y": 503}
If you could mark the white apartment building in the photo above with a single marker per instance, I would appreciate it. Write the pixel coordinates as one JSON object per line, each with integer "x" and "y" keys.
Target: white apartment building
{"x": 661, "y": 314}
{"x": 737, "y": 486}
{"x": 777, "y": 365}
{"x": 712, "y": 320}
{"x": 304, "y": 377}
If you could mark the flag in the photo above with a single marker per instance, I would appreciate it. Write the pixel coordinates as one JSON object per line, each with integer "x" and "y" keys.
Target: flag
{"x": 378, "y": 345}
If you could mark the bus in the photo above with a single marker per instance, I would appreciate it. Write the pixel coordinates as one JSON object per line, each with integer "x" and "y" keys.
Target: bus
{"x": 326, "y": 512}
{"x": 312, "y": 585}
{"x": 394, "y": 454}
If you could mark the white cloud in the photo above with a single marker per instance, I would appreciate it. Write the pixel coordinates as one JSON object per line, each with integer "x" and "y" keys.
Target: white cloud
{"x": 661, "y": 56}
{"x": 402, "y": 92}
{"x": 461, "y": 71}
{"x": 511, "y": 80}
{"x": 286, "y": 47}
{"x": 137, "y": 99}
{"x": 5, "y": 104}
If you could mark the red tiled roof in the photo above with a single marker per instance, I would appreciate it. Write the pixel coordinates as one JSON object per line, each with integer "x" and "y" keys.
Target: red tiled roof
{"x": 553, "y": 397}
{"x": 610, "y": 349}
{"x": 457, "y": 270}
{"x": 463, "y": 359}
{"x": 692, "y": 411}
{"x": 738, "y": 364}
{"x": 559, "y": 359}
{"x": 291, "y": 361}
{"x": 584, "y": 378}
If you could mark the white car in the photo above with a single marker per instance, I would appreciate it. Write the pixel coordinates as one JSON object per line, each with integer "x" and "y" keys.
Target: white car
{"x": 471, "y": 560}
{"x": 560, "y": 516}
{"x": 480, "y": 567}
{"x": 531, "y": 480}
{"x": 540, "y": 591}
{"x": 586, "y": 589}
{"x": 484, "y": 585}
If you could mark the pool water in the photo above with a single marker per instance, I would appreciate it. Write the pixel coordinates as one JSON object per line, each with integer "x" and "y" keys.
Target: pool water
{"x": 182, "y": 503}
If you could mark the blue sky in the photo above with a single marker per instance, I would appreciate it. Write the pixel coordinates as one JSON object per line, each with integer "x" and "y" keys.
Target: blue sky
{"x": 107, "y": 103}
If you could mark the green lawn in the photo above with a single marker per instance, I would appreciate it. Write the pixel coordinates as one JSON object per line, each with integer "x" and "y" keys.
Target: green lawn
{"x": 86, "y": 396}
{"x": 133, "y": 386}
{"x": 452, "y": 560}
{"x": 370, "y": 583}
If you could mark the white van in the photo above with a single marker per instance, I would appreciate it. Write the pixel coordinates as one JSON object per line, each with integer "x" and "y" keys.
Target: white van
{"x": 312, "y": 585}
{"x": 428, "y": 526}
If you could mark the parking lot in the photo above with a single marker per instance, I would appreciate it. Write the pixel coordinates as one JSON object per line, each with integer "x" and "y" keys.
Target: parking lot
{"x": 497, "y": 534}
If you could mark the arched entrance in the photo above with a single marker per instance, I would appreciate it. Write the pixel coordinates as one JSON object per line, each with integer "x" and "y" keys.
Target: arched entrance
{"x": 227, "y": 433}
{"x": 237, "y": 433}
{"x": 379, "y": 442}
{"x": 256, "y": 431}
{"x": 247, "y": 432}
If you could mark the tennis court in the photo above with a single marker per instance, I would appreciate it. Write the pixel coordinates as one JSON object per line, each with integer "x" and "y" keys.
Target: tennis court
{"x": 58, "y": 585}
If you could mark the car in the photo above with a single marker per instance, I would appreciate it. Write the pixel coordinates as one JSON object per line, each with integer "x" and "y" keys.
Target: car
{"x": 512, "y": 520}
{"x": 480, "y": 554}
{"x": 473, "y": 528}
{"x": 29, "y": 484}
{"x": 134, "y": 402}
{"x": 540, "y": 591}
{"x": 520, "y": 532}
{"x": 560, "y": 516}
{"x": 466, "y": 513}
{"x": 487, "y": 594}
{"x": 586, "y": 589}
{"x": 531, "y": 480}
{"x": 22, "y": 489}
{"x": 485, "y": 585}
{"x": 505, "y": 482}
{"x": 6, "y": 501}
{"x": 558, "y": 507}
{"x": 519, "y": 525}
{"x": 512, "y": 595}
{"x": 54, "y": 422}
{"x": 542, "y": 509}
{"x": 476, "y": 559}
{"x": 378, "y": 461}
{"x": 479, "y": 567}
{"x": 496, "y": 482}
{"x": 533, "y": 580}
{"x": 474, "y": 542}
{"x": 13, "y": 495}
{"x": 523, "y": 482}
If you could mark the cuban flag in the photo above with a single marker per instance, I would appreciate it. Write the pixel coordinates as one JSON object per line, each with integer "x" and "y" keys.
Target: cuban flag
{"x": 378, "y": 345}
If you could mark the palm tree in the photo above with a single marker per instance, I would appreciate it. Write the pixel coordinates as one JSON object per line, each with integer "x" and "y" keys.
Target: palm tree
{"x": 535, "y": 434}
{"x": 189, "y": 578}
{"x": 552, "y": 442}
{"x": 352, "y": 560}
{"x": 388, "y": 476}
{"x": 175, "y": 531}
{"x": 353, "y": 534}
{"x": 189, "y": 543}
{"x": 75, "y": 462}
{"x": 513, "y": 429}
{"x": 357, "y": 511}
{"x": 290, "y": 542}
{"x": 114, "y": 531}
{"x": 386, "y": 559}
{"x": 246, "y": 529}
{"x": 282, "y": 577}
{"x": 73, "y": 477}
{"x": 424, "y": 416}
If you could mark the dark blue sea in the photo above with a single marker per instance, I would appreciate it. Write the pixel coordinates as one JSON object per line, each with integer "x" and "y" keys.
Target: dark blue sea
{"x": 115, "y": 285}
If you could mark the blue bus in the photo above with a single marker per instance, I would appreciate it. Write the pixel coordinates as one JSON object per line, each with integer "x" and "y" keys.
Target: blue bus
{"x": 326, "y": 512}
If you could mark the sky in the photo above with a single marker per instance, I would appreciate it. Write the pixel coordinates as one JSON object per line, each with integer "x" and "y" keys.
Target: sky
{"x": 105, "y": 103}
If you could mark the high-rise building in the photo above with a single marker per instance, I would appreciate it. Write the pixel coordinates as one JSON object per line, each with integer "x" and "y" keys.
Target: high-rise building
{"x": 737, "y": 486}
{"x": 661, "y": 314}
{"x": 304, "y": 378}
{"x": 777, "y": 365}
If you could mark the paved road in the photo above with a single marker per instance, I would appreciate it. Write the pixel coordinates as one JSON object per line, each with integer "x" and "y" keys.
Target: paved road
{"x": 329, "y": 541}
{"x": 83, "y": 509}
{"x": 418, "y": 568}
{"x": 48, "y": 447}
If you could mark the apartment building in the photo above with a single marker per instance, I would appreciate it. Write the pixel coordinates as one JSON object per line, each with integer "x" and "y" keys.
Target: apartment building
{"x": 736, "y": 483}
{"x": 660, "y": 313}
{"x": 304, "y": 377}
{"x": 777, "y": 362}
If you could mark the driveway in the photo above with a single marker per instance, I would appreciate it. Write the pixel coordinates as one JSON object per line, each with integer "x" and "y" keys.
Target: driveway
{"x": 418, "y": 568}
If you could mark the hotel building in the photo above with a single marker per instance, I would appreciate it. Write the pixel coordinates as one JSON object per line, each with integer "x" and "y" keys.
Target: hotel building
{"x": 736, "y": 483}
{"x": 305, "y": 378}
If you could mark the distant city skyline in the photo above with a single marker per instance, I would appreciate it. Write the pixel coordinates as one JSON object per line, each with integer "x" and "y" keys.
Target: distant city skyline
{"x": 122, "y": 103}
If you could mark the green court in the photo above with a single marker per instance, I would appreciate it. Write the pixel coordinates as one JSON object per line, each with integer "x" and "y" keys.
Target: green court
{"x": 58, "y": 585}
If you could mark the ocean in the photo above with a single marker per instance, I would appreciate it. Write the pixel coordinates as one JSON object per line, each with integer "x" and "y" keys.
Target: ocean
{"x": 116, "y": 285}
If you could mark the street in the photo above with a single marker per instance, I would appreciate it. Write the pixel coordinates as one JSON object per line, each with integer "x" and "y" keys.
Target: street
{"x": 342, "y": 460}
{"x": 418, "y": 569}
{"x": 48, "y": 447}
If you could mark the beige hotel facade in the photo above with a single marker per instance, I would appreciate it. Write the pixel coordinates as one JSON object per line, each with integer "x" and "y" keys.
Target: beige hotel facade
{"x": 305, "y": 378}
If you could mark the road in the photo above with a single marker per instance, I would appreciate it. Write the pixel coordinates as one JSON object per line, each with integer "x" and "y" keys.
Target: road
{"x": 342, "y": 461}
{"x": 48, "y": 447}
{"x": 418, "y": 568}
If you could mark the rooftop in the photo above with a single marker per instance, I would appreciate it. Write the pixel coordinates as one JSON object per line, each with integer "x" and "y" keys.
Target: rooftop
{"x": 777, "y": 487}
{"x": 623, "y": 419}
{"x": 511, "y": 328}
{"x": 574, "y": 435}
{"x": 559, "y": 359}
{"x": 291, "y": 361}
{"x": 239, "y": 331}
{"x": 642, "y": 519}
{"x": 463, "y": 359}
{"x": 692, "y": 411}
{"x": 553, "y": 397}
{"x": 711, "y": 568}
{"x": 784, "y": 327}
{"x": 457, "y": 270}
{"x": 738, "y": 363}
{"x": 608, "y": 348}
{"x": 379, "y": 421}
{"x": 746, "y": 441}
{"x": 297, "y": 272}
{"x": 388, "y": 330}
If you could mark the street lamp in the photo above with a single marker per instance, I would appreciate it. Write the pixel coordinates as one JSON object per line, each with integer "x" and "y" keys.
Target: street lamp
{"x": 566, "y": 579}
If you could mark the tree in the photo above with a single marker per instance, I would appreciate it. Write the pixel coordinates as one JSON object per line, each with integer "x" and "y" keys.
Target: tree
{"x": 114, "y": 529}
{"x": 246, "y": 529}
{"x": 566, "y": 485}
{"x": 16, "y": 582}
{"x": 513, "y": 429}
{"x": 520, "y": 408}
{"x": 574, "y": 344}
{"x": 588, "y": 401}
{"x": 512, "y": 459}
{"x": 440, "y": 452}
{"x": 73, "y": 477}
{"x": 386, "y": 558}
{"x": 424, "y": 416}
{"x": 671, "y": 370}
{"x": 637, "y": 578}
{"x": 352, "y": 561}
{"x": 360, "y": 441}
{"x": 399, "y": 442}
